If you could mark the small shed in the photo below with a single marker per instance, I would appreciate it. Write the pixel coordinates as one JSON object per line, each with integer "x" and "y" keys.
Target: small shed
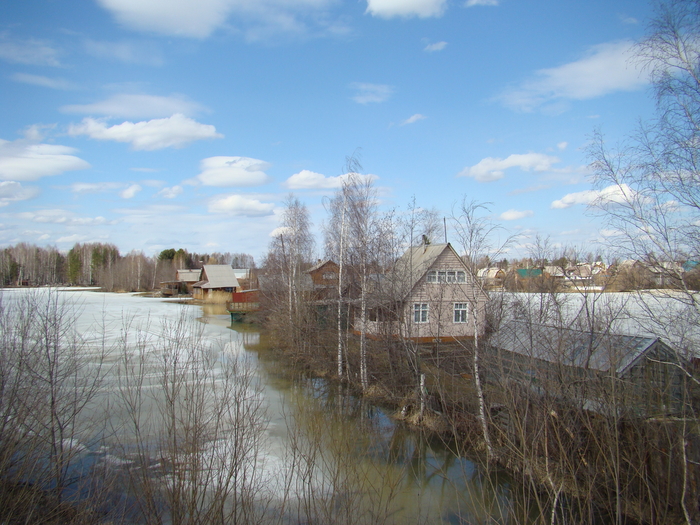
{"x": 600, "y": 371}
{"x": 188, "y": 278}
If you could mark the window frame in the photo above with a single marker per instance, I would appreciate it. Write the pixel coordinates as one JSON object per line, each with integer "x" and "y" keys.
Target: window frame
{"x": 421, "y": 313}
{"x": 446, "y": 276}
{"x": 461, "y": 309}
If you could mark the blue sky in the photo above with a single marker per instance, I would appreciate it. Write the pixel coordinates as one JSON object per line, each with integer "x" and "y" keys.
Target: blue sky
{"x": 183, "y": 123}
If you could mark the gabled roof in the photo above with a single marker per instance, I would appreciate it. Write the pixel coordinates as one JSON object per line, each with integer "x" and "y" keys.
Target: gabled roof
{"x": 574, "y": 348}
{"x": 320, "y": 265}
{"x": 188, "y": 276}
{"x": 490, "y": 273}
{"x": 415, "y": 263}
{"x": 217, "y": 276}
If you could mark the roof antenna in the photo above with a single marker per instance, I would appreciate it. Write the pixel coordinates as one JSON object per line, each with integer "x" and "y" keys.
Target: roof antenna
{"x": 444, "y": 222}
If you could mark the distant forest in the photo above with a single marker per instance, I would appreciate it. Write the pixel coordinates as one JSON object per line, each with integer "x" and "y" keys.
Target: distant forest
{"x": 98, "y": 264}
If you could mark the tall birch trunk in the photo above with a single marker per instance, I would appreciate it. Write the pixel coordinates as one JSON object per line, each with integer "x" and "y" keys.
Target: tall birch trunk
{"x": 479, "y": 390}
{"x": 341, "y": 257}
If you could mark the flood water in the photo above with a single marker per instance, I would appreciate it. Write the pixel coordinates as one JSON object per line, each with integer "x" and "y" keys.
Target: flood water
{"x": 312, "y": 453}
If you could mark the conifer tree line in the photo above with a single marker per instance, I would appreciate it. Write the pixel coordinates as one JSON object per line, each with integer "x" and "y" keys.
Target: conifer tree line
{"x": 101, "y": 264}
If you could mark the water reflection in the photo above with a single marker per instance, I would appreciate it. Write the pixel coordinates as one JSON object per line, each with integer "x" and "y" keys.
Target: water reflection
{"x": 390, "y": 471}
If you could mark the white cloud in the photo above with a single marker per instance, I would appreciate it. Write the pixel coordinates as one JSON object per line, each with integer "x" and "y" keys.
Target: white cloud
{"x": 406, "y": 8}
{"x": 412, "y": 119}
{"x": 367, "y": 93}
{"x": 240, "y": 205}
{"x": 94, "y": 187}
{"x": 170, "y": 193}
{"x": 232, "y": 171}
{"x": 127, "y": 105}
{"x": 282, "y": 230}
{"x": 309, "y": 180}
{"x": 12, "y": 191}
{"x": 491, "y": 169}
{"x": 71, "y": 239}
{"x": 31, "y": 52}
{"x": 562, "y": 146}
{"x": 176, "y": 132}
{"x": 437, "y": 46}
{"x": 130, "y": 192}
{"x": 54, "y": 216}
{"x": 606, "y": 68}
{"x": 38, "y": 80}
{"x": 610, "y": 195}
{"x": 200, "y": 18}
{"x": 513, "y": 215}
{"x": 125, "y": 51}
{"x": 472, "y": 3}
{"x": 22, "y": 161}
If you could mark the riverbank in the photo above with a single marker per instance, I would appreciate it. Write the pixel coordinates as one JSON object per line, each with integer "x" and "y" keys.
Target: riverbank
{"x": 576, "y": 462}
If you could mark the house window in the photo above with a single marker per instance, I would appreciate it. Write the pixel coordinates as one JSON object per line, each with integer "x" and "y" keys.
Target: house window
{"x": 461, "y": 310}
{"x": 329, "y": 275}
{"x": 420, "y": 313}
{"x": 446, "y": 276}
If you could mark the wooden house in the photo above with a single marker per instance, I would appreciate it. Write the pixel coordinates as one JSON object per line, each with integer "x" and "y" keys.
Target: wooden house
{"x": 324, "y": 279}
{"x": 596, "y": 371}
{"x": 430, "y": 295}
{"x": 216, "y": 280}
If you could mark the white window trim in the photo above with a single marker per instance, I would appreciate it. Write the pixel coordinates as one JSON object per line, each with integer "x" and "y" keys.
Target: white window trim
{"x": 464, "y": 307}
{"x": 421, "y": 308}
{"x": 446, "y": 276}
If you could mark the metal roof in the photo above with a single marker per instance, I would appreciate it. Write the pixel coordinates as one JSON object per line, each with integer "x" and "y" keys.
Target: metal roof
{"x": 188, "y": 276}
{"x": 596, "y": 351}
{"x": 218, "y": 276}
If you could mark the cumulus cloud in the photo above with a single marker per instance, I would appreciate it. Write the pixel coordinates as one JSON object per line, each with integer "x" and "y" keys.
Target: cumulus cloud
{"x": 130, "y": 192}
{"x": 127, "y": 105}
{"x": 309, "y": 180}
{"x": 412, "y": 119}
{"x": 22, "y": 161}
{"x": 437, "y": 46}
{"x": 280, "y": 231}
{"x": 12, "y": 191}
{"x": 367, "y": 93}
{"x": 30, "y": 52}
{"x": 240, "y": 205}
{"x": 125, "y": 51}
{"x": 562, "y": 146}
{"x": 38, "y": 80}
{"x": 472, "y": 3}
{"x": 170, "y": 193}
{"x": 606, "y": 68}
{"x": 491, "y": 168}
{"x": 200, "y": 18}
{"x": 609, "y": 195}
{"x": 232, "y": 171}
{"x": 406, "y": 8}
{"x": 172, "y": 132}
{"x": 513, "y": 215}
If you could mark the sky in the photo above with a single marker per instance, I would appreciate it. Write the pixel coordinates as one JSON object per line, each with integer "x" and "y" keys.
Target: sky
{"x": 187, "y": 123}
